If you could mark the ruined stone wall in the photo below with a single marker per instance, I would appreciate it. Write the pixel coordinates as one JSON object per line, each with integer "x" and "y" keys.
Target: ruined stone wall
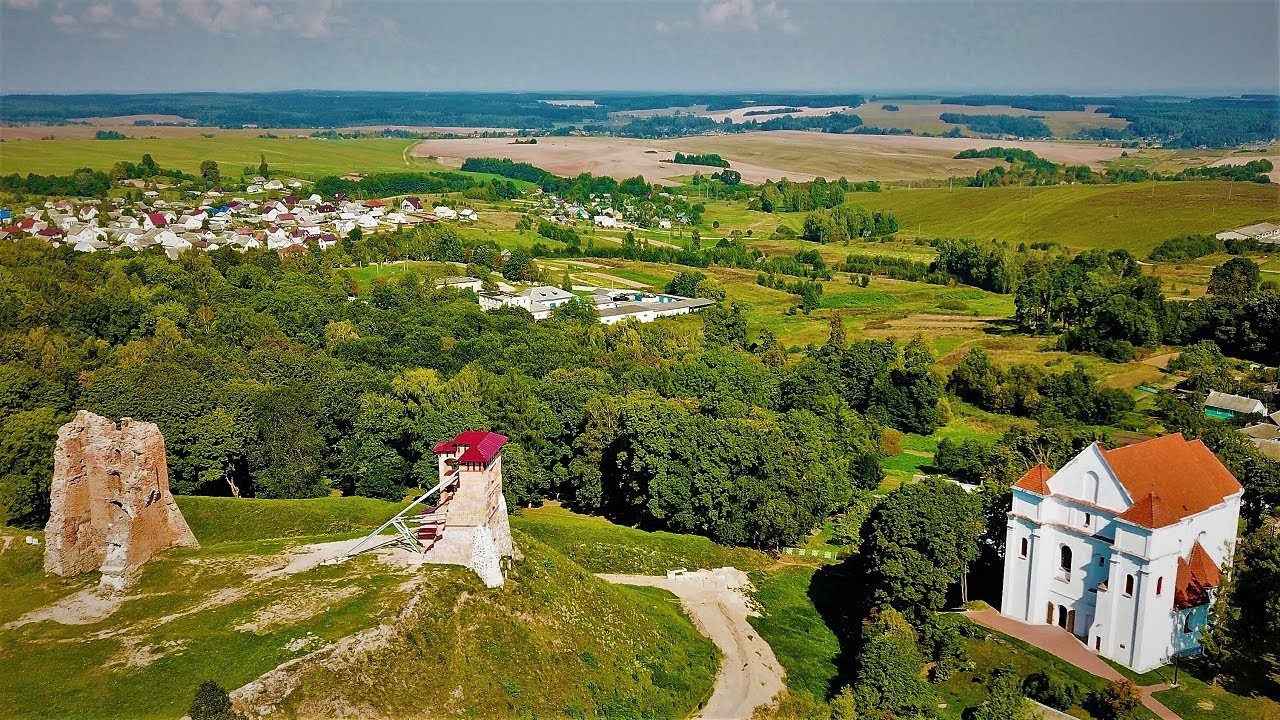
{"x": 110, "y": 506}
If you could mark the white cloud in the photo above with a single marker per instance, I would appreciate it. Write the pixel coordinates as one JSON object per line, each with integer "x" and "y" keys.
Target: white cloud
{"x": 746, "y": 15}
{"x": 309, "y": 19}
{"x": 99, "y": 13}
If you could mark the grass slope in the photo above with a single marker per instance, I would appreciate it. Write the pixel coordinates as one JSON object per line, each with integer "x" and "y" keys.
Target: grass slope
{"x": 556, "y": 641}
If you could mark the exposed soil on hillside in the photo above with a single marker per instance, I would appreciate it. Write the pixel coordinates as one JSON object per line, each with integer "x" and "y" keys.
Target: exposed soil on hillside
{"x": 750, "y": 675}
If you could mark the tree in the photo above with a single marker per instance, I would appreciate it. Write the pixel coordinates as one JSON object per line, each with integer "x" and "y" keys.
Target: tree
{"x": 724, "y": 326}
{"x": 520, "y": 266}
{"x": 917, "y": 543}
{"x": 1235, "y": 279}
{"x": 889, "y": 678}
{"x": 976, "y": 379}
{"x": 1244, "y": 639}
{"x": 1116, "y": 701}
{"x": 263, "y": 170}
{"x": 286, "y": 458}
{"x": 26, "y": 464}
{"x": 210, "y": 172}
{"x": 149, "y": 167}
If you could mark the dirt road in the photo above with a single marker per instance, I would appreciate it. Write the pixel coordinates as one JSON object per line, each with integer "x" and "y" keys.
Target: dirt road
{"x": 749, "y": 675}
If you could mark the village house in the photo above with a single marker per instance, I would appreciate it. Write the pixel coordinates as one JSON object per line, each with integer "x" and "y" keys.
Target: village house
{"x": 1224, "y": 406}
{"x": 1123, "y": 548}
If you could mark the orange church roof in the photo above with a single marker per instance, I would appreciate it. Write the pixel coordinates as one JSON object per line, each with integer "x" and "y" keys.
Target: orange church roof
{"x": 1170, "y": 478}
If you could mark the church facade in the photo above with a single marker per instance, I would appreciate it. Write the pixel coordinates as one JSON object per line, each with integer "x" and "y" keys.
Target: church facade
{"x": 1124, "y": 548}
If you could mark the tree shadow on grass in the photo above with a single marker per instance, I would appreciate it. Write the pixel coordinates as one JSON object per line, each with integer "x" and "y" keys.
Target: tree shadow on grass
{"x": 835, "y": 592}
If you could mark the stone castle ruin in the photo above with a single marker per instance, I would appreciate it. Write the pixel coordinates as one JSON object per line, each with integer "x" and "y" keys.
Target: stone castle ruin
{"x": 110, "y": 504}
{"x": 467, "y": 524}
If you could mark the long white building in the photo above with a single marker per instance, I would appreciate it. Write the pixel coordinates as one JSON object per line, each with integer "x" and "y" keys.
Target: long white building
{"x": 1123, "y": 548}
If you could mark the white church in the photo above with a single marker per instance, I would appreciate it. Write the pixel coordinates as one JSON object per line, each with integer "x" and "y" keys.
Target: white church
{"x": 1123, "y": 548}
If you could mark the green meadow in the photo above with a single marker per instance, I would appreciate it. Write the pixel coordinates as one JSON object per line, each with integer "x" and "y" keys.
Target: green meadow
{"x": 301, "y": 156}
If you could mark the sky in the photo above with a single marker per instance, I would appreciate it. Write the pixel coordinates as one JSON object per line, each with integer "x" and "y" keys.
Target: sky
{"x": 872, "y": 46}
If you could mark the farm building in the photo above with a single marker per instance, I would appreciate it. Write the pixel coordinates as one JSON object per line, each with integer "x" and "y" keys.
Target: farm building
{"x": 1262, "y": 232}
{"x": 460, "y": 283}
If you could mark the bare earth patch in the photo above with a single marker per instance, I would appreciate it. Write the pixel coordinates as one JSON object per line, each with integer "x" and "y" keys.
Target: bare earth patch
{"x": 262, "y": 696}
{"x": 312, "y": 601}
{"x": 82, "y": 608}
{"x": 616, "y": 157}
{"x": 750, "y": 675}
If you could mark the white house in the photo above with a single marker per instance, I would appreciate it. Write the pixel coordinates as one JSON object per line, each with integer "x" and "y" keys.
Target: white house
{"x": 1123, "y": 548}
{"x": 605, "y": 221}
{"x": 444, "y": 213}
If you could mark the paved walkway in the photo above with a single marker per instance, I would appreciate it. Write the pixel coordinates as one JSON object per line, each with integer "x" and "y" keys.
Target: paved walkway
{"x": 1068, "y": 648}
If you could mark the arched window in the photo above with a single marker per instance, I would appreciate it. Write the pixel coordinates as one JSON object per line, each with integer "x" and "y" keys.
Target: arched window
{"x": 1065, "y": 564}
{"x": 1186, "y": 623}
{"x": 1128, "y": 585}
{"x": 1088, "y": 519}
{"x": 1159, "y": 585}
{"x": 1023, "y": 552}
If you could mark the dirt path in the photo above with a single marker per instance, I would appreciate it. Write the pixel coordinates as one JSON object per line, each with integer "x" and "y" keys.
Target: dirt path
{"x": 749, "y": 675}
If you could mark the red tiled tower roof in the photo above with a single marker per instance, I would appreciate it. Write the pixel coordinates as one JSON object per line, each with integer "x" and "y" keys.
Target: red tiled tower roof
{"x": 1195, "y": 578}
{"x": 1149, "y": 512}
{"x": 1036, "y": 479}
{"x": 481, "y": 446}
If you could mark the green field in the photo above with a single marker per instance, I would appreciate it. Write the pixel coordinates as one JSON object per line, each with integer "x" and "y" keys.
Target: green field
{"x": 1132, "y": 216}
{"x": 304, "y": 157}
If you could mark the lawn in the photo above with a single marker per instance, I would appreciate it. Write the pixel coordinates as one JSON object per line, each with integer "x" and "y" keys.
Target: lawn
{"x": 601, "y": 546}
{"x": 791, "y": 624}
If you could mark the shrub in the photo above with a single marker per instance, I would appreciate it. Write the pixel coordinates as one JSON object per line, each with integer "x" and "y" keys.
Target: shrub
{"x": 1052, "y": 691}
{"x": 1116, "y": 701}
{"x": 212, "y": 703}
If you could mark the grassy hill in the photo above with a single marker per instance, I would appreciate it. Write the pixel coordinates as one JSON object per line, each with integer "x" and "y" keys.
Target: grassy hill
{"x": 555, "y": 641}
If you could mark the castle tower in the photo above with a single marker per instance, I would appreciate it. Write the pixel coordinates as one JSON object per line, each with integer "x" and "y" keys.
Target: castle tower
{"x": 468, "y": 526}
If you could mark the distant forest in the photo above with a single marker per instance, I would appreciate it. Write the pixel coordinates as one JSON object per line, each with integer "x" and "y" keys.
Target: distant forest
{"x": 1174, "y": 121}
{"x": 310, "y": 109}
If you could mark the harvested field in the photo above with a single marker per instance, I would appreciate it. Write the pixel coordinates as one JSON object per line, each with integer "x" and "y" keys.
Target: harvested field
{"x": 616, "y": 157}
{"x": 761, "y": 155}
{"x": 879, "y": 157}
{"x": 131, "y": 119}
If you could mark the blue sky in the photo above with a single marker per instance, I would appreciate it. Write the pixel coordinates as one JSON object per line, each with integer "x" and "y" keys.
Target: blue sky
{"x": 1195, "y": 47}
